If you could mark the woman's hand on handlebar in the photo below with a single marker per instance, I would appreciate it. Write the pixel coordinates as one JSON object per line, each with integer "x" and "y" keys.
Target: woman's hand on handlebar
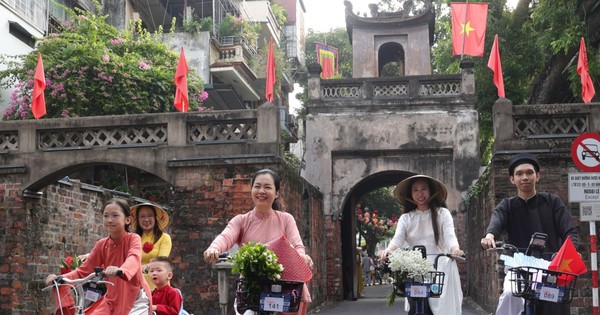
{"x": 456, "y": 251}
{"x": 488, "y": 241}
{"x": 211, "y": 255}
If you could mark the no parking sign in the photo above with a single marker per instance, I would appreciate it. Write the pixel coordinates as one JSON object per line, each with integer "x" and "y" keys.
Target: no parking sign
{"x": 585, "y": 152}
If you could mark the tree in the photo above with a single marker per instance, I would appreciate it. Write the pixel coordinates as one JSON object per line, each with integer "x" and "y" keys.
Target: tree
{"x": 377, "y": 213}
{"x": 337, "y": 38}
{"x": 91, "y": 68}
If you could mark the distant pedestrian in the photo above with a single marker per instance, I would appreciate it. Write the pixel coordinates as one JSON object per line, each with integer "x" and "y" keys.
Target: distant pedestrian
{"x": 366, "y": 268}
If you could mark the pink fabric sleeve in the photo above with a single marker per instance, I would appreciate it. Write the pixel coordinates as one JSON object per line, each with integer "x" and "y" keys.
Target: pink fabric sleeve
{"x": 230, "y": 235}
{"x": 133, "y": 262}
{"x": 292, "y": 233}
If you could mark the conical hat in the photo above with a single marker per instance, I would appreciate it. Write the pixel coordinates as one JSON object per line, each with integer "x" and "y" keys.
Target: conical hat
{"x": 403, "y": 194}
{"x": 162, "y": 218}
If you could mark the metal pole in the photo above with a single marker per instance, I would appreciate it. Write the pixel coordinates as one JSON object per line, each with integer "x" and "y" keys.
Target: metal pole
{"x": 223, "y": 272}
{"x": 594, "y": 263}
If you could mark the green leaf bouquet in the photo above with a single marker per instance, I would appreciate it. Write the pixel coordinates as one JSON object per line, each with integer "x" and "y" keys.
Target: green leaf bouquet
{"x": 257, "y": 265}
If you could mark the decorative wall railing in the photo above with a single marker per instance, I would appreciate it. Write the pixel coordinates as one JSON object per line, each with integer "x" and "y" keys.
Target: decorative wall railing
{"x": 102, "y": 137}
{"x": 144, "y": 130}
{"x": 222, "y": 131}
{"x": 533, "y": 127}
{"x": 566, "y": 120}
{"x": 392, "y": 88}
{"x": 9, "y": 140}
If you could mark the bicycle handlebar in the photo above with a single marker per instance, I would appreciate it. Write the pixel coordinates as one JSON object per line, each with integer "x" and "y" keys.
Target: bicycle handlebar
{"x": 223, "y": 257}
{"x": 75, "y": 282}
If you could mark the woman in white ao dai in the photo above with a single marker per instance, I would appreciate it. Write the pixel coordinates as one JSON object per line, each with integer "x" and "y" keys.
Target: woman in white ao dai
{"x": 427, "y": 222}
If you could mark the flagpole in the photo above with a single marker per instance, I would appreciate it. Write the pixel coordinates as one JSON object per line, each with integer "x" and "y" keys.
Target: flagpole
{"x": 594, "y": 263}
{"x": 462, "y": 53}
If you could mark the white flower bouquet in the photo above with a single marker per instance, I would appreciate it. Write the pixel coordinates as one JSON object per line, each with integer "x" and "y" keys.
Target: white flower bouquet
{"x": 406, "y": 263}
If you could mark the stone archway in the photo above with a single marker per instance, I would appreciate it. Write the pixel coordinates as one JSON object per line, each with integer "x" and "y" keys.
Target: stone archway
{"x": 391, "y": 60}
{"x": 348, "y": 226}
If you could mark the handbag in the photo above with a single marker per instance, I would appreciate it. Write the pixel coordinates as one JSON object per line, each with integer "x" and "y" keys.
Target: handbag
{"x": 294, "y": 266}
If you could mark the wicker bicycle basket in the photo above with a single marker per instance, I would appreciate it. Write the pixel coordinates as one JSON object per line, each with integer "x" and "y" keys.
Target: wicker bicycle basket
{"x": 534, "y": 283}
{"x": 431, "y": 284}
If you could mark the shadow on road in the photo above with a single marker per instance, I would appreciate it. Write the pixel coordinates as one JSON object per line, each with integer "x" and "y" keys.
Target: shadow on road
{"x": 374, "y": 301}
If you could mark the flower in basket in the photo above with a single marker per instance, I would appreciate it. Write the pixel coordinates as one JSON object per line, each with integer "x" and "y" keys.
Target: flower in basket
{"x": 406, "y": 263}
{"x": 147, "y": 247}
{"x": 256, "y": 264}
{"x": 69, "y": 264}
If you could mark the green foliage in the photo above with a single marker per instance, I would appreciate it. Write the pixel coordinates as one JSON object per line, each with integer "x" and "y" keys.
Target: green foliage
{"x": 382, "y": 199}
{"x": 196, "y": 25}
{"x": 91, "y": 69}
{"x": 256, "y": 264}
{"x": 238, "y": 26}
{"x": 255, "y": 260}
{"x": 280, "y": 13}
{"x": 337, "y": 38}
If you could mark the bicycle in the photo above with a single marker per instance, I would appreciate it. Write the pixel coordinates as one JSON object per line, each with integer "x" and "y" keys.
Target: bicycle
{"x": 535, "y": 284}
{"x": 93, "y": 281}
{"x": 422, "y": 288}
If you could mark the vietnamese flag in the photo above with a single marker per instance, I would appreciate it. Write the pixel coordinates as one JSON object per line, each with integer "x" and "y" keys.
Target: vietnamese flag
{"x": 38, "y": 101}
{"x": 181, "y": 92}
{"x": 568, "y": 260}
{"x": 270, "y": 74}
{"x": 496, "y": 66}
{"x": 587, "y": 86}
{"x": 468, "y": 28}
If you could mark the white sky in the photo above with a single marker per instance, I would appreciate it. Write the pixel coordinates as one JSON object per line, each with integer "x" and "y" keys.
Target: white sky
{"x": 323, "y": 15}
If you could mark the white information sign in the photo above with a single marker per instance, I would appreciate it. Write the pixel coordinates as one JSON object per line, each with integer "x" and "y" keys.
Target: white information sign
{"x": 584, "y": 187}
{"x": 418, "y": 291}
{"x": 589, "y": 211}
{"x": 273, "y": 304}
{"x": 549, "y": 294}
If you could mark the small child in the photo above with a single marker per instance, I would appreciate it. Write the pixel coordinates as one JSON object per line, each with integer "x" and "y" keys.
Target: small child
{"x": 165, "y": 299}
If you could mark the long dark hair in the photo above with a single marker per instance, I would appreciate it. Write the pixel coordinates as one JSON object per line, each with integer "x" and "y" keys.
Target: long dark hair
{"x": 276, "y": 180}
{"x": 138, "y": 227}
{"x": 434, "y": 205}
{"x": 123, "y": 204}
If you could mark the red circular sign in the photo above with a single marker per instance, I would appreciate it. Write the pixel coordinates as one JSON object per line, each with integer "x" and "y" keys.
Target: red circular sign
{"x": 585, "y": 152}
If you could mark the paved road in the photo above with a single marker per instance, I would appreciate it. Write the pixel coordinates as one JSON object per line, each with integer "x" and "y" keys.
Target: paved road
{"x": 374, "y": 302}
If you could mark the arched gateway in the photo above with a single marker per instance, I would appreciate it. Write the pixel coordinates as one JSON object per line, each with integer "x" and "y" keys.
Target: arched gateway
{"x": 370, "y": 132}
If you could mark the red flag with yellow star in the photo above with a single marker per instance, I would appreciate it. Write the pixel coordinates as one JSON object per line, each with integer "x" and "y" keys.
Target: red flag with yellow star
{"x": 468, "y": 28}
{"x": 568, "y": 260}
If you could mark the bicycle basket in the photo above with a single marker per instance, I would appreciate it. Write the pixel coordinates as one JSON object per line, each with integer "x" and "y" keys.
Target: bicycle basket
{"x": 429, "y": 285}
{"x": 542, "y": 284}
{"x": 259, "y": 295}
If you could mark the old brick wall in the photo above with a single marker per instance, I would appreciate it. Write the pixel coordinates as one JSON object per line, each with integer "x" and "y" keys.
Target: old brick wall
{"x": 206, "y": 198}
{"x": 38, "y": 234}
{"x": 491, "y": 188}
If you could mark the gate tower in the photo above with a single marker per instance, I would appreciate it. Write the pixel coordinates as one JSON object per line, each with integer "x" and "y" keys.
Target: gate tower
{"x": 382, "y": 126}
